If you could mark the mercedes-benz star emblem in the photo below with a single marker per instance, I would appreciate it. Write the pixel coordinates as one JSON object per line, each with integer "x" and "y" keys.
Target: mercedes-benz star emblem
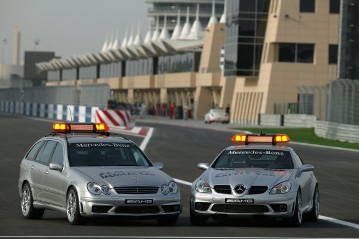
{"x": 240, "y": 188}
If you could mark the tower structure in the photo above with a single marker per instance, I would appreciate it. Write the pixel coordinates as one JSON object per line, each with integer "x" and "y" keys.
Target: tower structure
{"x": 170, "y": 9}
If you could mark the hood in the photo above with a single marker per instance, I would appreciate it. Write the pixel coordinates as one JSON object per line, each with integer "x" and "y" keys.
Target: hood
{"x": 248, "y": 177}
{"x": 125, "y": 176}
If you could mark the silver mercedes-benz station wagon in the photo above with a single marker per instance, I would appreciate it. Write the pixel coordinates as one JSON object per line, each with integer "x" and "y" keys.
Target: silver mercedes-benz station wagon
{"x": 256, "y": 177}
{"x": 80, "y": 170}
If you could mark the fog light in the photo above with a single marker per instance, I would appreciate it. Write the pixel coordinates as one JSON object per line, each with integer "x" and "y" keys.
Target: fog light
{"x": 283, "y": 208}
{"x": 198, "y": 206}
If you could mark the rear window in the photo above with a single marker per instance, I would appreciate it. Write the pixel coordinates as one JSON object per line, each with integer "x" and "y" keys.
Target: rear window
{"x": 106, "y": 154}
{"x": 254, "y": 158}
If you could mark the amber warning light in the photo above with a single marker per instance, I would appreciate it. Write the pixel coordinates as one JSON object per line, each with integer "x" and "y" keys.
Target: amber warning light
{"x": 61, "y": 127}
{"x": 262, "y": 138}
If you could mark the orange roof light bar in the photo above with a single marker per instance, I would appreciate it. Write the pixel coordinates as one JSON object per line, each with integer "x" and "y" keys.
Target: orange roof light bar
{"x": 61, "y": 127}
{"x": 261, "y": 138}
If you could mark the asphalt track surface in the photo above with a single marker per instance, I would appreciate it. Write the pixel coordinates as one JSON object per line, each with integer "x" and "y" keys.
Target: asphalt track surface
{"x": 180, "y": 148}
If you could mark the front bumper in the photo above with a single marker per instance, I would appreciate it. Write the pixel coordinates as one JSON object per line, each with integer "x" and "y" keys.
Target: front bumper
{"x": 130, "y": 206}
{"x": 264, "y": 204}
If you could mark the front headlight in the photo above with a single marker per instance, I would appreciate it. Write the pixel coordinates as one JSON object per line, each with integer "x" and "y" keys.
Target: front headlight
{"x": 281, "y": 188}
{"x": 97, "y": 189}
{"x": 171, "y": 188}
{"x": 202, "y": 186}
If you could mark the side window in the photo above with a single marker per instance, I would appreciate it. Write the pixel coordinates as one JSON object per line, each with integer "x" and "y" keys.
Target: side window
{"x": 34, "y": 150}
{"x": 297, "y": 160}
{"x": 45, "y": 153}
{"x": 58, "y": 155}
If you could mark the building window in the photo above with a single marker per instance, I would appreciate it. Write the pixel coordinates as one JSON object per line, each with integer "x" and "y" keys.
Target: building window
{"x": 307, "y": 5}
{"x": 333, "y": 54}
{"x": 296, "y": 53}
{"x": 334, "y": 6}
{"x": 286, "y": 52}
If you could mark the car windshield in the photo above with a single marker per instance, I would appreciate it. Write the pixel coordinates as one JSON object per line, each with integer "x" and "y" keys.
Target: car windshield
{"x": 106, "y": 154}
{"x": 254, "y": 158}
{"x": 218, "y": 111}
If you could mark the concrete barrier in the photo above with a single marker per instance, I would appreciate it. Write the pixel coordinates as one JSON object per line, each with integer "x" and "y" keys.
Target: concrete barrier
{"x": 288, "y": 120}
{"x": 336, "y": 131}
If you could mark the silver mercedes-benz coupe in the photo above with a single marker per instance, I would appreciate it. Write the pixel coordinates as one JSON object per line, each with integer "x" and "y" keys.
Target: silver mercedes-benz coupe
{"x": 258, "y": 178}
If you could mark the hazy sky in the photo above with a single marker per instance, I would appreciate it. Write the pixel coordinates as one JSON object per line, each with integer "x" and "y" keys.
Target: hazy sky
{"x": 68, "y": 27}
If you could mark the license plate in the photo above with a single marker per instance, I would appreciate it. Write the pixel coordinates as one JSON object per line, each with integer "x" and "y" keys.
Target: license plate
{"x": 239, "y": 200}
{"x": 138, "y": 201}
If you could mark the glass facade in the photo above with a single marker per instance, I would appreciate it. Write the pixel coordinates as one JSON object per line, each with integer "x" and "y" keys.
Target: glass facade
{"x": 89, "y": 72}
{"x": 139, "y": 67}
{"x": 53, "y": 75}
{"x": 111, "y": 70}
{"x": 246, "y": 26}
{"x": 185, "y": 62}
{"x": 69, "y": 74}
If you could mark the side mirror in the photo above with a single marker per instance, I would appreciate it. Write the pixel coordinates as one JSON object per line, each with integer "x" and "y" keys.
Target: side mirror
{"x": 307, "y": 168}
{"x": 56, "y": 167}
{"x": 158, "y": 165}
{"x": 203, "y": 166}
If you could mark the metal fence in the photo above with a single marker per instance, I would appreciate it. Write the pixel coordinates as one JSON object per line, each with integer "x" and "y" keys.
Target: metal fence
{"x": 336, "y": 102}
{"x": 86, "y": 95}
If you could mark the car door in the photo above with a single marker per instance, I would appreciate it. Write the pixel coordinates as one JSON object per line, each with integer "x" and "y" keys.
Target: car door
{"x": 55, "y": 180}
{"x": 305, "y": 181}
{"x": 39, "y": 169}
{"x": 29, "y": 168}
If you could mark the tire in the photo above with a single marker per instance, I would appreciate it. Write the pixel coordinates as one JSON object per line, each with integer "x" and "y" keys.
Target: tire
{"x": 313, "y": 214}
{"x": 27, "y": 206}
{"x": 297, "y": 218}
{"x": 167, "y": 220}
{"x": 73, "y": 208}
{"x": 197, "y": 219}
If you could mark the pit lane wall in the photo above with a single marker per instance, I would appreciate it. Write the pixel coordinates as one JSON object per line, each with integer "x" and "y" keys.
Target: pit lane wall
{"x": 74, "y": 113}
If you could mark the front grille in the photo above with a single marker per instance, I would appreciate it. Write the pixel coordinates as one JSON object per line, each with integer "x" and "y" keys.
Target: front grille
{"x": 136, "y": 190}
{"x": 224, "y": 189}
{"x": 257, "y": 189}
{"x": 234, "y": 208}
{"x": 137, "y": 210}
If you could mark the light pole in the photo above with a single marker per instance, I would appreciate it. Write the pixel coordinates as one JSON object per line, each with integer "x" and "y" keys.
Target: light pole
{"x": 36, "y": 42}
{"x": 4, "y": 42}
